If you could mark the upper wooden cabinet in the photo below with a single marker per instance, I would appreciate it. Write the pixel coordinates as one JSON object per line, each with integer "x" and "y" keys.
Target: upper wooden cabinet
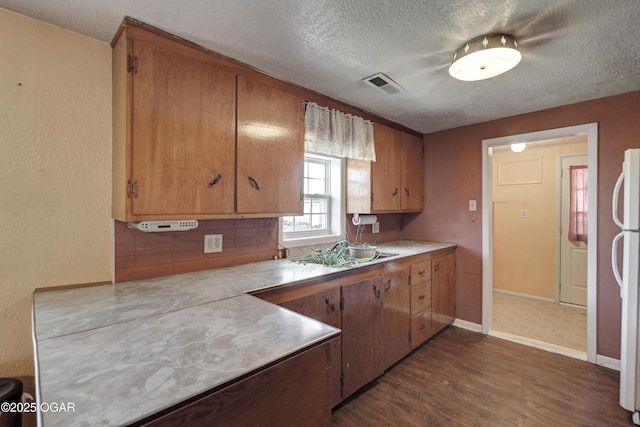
{"x": 183, "y": 134}
{"x": 394, "y": 182}
{"x": 180, "y": 151}
{"x": 270, "y": 149}
{"x": 412, "y": 198}
{"x": 386, "y": 171}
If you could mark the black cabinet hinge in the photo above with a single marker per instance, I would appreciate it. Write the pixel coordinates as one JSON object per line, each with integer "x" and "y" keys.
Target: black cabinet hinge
{"x": 132, "y": 64}
{"x": 342, "y": 379}
{"x": 132, "y": 189}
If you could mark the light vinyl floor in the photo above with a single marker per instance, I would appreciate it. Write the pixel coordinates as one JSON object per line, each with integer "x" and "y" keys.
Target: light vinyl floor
{"x": 557, "y": 324}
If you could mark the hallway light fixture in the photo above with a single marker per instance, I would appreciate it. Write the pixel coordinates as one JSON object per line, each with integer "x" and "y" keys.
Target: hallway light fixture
{"x": 485, "y": 57}
{"x": 518, "y": 147}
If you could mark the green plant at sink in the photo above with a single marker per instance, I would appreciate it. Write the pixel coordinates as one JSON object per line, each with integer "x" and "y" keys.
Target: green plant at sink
{"x": 338, "y": 256}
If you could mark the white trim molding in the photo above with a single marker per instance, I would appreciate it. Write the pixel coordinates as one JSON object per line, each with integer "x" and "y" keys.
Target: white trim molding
{"x": 608, "y": 362}
{"x": 569, "y": 352}
{"x": 469, "y": 326}
{"x": 591, "y": 129}
{"x": 521, "y": 295}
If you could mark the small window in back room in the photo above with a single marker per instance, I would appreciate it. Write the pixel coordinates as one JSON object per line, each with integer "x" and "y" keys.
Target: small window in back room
{"x": 323, "y": 207}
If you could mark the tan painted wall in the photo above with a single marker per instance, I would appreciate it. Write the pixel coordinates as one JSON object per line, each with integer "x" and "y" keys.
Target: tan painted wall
{"x": 524, "y": 249}
{"x": 55, "y": 170}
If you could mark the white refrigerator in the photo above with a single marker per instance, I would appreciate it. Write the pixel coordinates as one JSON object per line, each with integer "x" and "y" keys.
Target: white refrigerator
{"x": 629, "y": 279}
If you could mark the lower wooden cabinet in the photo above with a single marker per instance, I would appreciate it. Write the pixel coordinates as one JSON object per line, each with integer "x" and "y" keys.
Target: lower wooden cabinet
{"x": 421, "y": 327}
{"x": 383, "y": 314}
{"x": 420, "y": 302}
{"x": 325, "y": 307}
{"x": 361, "y": 333}
{"x": 443, "y": 293}
{"x": 396, "y": 320}
{"x": 294, "y": 392}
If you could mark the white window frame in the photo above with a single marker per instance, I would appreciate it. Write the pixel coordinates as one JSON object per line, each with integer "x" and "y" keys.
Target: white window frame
{"x": 336, "y": 215}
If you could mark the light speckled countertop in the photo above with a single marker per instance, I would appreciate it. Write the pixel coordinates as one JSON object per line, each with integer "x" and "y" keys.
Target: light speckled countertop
{"x": 123, "y": 352}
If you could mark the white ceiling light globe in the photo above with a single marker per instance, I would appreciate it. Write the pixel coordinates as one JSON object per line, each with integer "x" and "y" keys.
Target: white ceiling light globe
{"x": 485, "y": 57}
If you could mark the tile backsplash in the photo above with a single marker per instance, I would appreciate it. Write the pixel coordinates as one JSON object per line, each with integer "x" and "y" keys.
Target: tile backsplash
{"x": 390, "y": 229}
{"x": 140, "y": 255}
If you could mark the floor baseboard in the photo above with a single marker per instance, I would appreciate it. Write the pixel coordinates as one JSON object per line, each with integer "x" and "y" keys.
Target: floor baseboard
{"x": 580, "y": 355}
{"x": 470, "y": 326}
{"x": 608, "y": 362}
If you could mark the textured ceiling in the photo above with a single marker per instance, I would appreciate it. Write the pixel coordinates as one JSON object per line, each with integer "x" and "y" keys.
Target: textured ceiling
{"x": 573, "y": 50}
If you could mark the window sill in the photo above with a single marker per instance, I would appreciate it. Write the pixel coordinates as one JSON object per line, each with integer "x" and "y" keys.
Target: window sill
{"x": 311, "y": 241}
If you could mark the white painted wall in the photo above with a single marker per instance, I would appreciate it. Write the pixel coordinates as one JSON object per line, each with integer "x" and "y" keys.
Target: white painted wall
{"x": 55, "y": 172}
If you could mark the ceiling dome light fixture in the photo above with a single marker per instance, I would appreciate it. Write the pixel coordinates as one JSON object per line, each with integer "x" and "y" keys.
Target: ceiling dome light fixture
{"x": 518, "y": 147}
{"x": 485, "y": 57}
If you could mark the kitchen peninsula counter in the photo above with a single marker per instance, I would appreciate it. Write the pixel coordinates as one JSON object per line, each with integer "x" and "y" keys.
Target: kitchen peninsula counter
{"x": 124, "y": 352}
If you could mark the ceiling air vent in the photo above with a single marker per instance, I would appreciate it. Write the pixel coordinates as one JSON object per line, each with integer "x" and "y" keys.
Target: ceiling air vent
{"x": 384, "y": 83}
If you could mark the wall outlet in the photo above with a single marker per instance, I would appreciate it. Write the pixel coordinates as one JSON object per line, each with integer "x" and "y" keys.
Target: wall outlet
{"x": 212, "y": 243}
{"x": 375, "y": 227}
{"x": 523, "y": 214}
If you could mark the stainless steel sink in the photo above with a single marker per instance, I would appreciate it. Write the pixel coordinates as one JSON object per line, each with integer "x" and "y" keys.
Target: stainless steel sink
{"x": 380, "y": 254}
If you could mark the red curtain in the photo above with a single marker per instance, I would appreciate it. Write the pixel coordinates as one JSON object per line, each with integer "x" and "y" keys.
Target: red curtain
{"x": 578, "y": 203}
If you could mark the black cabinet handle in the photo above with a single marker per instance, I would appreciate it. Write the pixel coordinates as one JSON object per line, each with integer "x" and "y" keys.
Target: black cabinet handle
{"x": 254, "y": 183}
{"x": 421, "y": 273}
{"x": 407, "y": 192}
{"x": 395, "y": 191}
{"x": 387, "y": 286}
{"x": 329, "y": 304}
{"x": 214, "y": 181}
{"x": 421, "y": 297}
{"x": 422, "y": 327}
{"x": 437, "y": 267}
{"x": 376, "y": 291}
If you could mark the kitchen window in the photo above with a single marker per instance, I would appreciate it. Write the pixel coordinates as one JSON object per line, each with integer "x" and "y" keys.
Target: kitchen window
{"x": 322, "y": 220}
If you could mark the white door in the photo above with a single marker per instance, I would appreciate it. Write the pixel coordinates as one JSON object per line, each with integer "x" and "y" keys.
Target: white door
{"x": 573, "y": 255}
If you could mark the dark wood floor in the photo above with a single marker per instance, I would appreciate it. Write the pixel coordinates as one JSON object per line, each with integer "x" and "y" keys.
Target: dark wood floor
{"x": 463, "y": 378}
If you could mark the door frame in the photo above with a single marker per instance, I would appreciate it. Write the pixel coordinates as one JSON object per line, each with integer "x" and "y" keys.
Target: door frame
{"x": 591, "y": 129}
{"x": 559, "y": 205}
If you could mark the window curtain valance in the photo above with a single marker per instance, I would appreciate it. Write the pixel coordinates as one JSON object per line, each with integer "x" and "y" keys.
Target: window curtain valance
{"x": 333, "y": 133}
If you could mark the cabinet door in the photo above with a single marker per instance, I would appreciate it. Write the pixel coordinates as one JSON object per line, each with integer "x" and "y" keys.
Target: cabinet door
{"x": 325, "y": 307}
{"x": 270, "y": 152}
{"x": 443, "y": 292}
{"x": 361, "y": 333}
{"x": 412, "y": 173}
{"x": 386, "y": 171}
{"x": 183, "y": 134}
{"x": 396, "y": 317}
{"x": 292, "y": 392}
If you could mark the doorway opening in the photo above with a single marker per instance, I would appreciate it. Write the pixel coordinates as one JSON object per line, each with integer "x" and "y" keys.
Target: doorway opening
{"x": 519, "y": 214}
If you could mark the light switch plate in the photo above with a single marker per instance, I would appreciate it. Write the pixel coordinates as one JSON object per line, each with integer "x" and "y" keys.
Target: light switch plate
{"x": 473, "y": 206}
{"x": 212, "y": 243}
{"x": 523, "y": 214}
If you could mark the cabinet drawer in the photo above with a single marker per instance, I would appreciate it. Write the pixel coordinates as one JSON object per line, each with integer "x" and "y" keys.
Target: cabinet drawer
{"x": 420, "y": 297}
{"x": 420, "y": 272}
{"x": 420, "y": 328}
